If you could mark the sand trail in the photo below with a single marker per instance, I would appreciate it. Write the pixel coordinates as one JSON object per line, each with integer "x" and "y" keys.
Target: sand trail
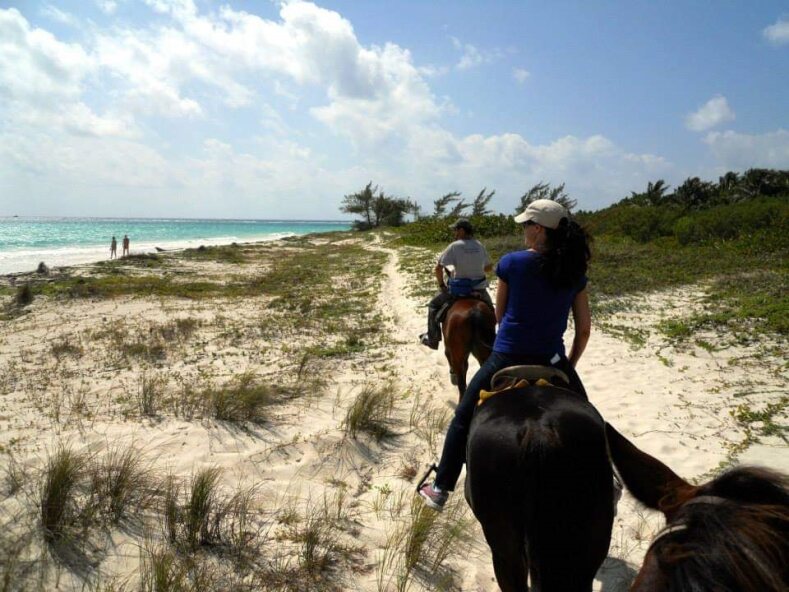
{"x": 677, "y": 402}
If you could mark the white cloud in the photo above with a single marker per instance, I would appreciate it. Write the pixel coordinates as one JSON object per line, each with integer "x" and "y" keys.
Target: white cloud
{"x": 36, "y": 67}
{"x": 735, "y": 151}
{"x": 778, "y": 32}
{"x": 594, "y": 168}
{"x": 57, "y": 15}
{"x": 472, "y": 56}
{"x": 712, "y": 113}
{"x": 107, "y": 6}
{"x": 189, "y": 64}
{"x": 150, "y": 68}
{"x": 520, "y": 75}
{"x": 43, "y": 80}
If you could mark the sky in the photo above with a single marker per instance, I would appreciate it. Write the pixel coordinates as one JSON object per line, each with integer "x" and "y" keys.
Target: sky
{"x": 262, "y": 109}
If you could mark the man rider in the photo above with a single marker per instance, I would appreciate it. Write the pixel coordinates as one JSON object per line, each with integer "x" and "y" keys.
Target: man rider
{"x": 470, "y": 261}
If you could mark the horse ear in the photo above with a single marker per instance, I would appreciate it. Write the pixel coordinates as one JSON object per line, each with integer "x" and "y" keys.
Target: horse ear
{"x": 649, "y": 480}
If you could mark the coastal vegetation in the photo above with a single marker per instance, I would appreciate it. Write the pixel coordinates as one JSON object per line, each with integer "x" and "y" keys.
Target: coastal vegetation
{"x": 732, "y": 236}
{"x": 254, "y": 417}
{"x": 240, "y": 356}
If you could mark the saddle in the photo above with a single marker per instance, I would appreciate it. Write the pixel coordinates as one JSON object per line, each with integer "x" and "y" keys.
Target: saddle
{"x": 442, "y": 312}
{"x": 519, "y": 376}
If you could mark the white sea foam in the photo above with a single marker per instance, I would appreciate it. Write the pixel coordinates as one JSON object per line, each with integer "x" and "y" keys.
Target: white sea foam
{"x": 15, "y": 261}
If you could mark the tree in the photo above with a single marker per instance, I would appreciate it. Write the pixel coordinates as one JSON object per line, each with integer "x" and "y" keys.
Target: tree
{"x": 695, "y": 194}
{"x": 479, "y": 205}
{"x": 545, "y": 191}
{"x": 756, "y": 182}
{"x": 376, "y": 208}
{"x": 440, "y": 205}
{"x": 361, "y": 203}
{"x": 728, "y": 182}
{"x": 390, "y": 211}
{"x": 653, "y": 196}
{"x": 459, "y": 210}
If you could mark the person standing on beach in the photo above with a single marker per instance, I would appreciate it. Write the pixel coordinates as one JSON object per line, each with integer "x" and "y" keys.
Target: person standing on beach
{"x": 537, "y": 289}
{"x": 471, "y": 262}
{"x": 125, "y": 245}
{"x": 113, "y": 249}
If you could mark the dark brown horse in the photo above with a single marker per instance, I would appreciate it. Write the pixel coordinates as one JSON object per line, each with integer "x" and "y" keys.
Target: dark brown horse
{"x": 469, "y": 328}
{"x": 539, "y": 481}
{"x": 730, "y": 534}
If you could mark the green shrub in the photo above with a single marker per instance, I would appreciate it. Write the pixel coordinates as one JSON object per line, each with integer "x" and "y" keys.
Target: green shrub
{"x": 640, "y": 223}
{"x": 733, "y": 221}
{"x": 430, "y": 231}
{"x": 24, "y": 295}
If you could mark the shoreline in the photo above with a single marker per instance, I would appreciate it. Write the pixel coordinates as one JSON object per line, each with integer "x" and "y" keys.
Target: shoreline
{"x": 88, "y": 255}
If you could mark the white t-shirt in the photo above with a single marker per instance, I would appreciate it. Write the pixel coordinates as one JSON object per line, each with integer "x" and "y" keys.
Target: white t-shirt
{"x": 469, "y": 259}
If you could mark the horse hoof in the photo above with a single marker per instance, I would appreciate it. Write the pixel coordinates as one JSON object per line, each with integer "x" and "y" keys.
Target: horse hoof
{"x": 453, "y": 378}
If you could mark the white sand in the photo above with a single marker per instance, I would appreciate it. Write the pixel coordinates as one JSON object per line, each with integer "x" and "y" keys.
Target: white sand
{"x": 672, "y": 403}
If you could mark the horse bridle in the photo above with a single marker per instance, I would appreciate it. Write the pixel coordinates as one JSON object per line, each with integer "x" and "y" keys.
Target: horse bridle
{"x": 683, "y": 525}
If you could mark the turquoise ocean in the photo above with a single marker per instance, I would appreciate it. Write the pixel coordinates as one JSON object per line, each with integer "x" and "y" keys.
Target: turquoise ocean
{"x": 24, "y": 242}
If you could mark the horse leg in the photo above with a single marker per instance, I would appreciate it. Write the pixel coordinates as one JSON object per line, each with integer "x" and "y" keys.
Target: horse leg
{"x": 458, "y": 367}
{"x": 510, "y": 563}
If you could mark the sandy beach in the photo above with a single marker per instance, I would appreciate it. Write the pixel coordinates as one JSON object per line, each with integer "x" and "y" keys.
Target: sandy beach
{"x": 302, "y": 330}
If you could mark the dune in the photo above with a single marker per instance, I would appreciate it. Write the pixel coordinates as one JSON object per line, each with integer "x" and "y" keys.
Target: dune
{"x": 330, "y": 503}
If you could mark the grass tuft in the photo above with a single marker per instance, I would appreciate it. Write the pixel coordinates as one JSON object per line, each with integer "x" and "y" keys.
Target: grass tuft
{"x": 371, "y": 412}
{"x": 150, "y": 394}
{"x": 121, "y": 483}
{"x": 161, "y": 570}
{"x": 58, "y": 504}
{"x": 244, "y": 399}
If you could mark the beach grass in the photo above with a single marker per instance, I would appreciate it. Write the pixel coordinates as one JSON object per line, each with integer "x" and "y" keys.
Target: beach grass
{"x": 60, "y": 494}
{"x": 371, "y": 412}
{"x": 232, "y": 253}
{"x": 244, "y": 399}
{"x": 122, "y": 483}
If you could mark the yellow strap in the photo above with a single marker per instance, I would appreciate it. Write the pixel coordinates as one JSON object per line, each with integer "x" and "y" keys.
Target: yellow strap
{"x": 485, "y": 395}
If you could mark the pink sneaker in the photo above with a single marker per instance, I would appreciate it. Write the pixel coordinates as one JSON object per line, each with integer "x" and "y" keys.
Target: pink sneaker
{"x": 433, "y": 499}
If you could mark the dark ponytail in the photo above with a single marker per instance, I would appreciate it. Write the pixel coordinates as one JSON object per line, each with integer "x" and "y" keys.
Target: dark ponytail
{"x": 565, "y": 254}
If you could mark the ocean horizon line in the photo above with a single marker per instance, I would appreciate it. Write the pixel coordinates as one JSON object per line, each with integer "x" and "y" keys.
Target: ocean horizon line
{"x": 177, "y": 218}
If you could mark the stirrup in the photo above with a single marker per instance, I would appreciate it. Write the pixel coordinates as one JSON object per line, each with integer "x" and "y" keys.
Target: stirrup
{"x": 431, "y": 469}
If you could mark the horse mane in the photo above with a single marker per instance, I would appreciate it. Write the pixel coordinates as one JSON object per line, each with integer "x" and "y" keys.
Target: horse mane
{"x": 740, "y": 542}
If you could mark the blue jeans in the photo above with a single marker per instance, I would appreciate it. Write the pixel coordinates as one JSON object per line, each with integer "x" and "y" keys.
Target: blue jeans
{"x": 454, "y": 453}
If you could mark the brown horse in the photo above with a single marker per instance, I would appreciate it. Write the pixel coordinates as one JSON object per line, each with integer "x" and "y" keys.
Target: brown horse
{"x": 469, "y": 328}
{"x": 730, "y": 534}
{"x": 539, "y": 480}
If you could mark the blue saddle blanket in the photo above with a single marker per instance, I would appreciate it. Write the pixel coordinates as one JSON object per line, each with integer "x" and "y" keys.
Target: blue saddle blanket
{"x": 465, "y": 286}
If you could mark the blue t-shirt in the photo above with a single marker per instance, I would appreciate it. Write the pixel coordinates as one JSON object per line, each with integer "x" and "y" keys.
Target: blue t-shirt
{"x": 535, "y": 319}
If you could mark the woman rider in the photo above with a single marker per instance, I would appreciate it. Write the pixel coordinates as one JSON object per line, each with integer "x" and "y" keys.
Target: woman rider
{"x": 537, "y": 288}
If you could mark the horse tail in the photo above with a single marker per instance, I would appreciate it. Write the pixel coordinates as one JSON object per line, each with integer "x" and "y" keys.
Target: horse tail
{"x": 568, "y": 478}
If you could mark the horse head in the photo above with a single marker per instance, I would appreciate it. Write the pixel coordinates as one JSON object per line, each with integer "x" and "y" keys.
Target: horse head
{"x": 729, "y": 534}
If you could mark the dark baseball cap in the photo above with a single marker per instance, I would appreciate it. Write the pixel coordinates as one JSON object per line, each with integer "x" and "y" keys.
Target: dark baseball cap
{"x": 463, "y": 224}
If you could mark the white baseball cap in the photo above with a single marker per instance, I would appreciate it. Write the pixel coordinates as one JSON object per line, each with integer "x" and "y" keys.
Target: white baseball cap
{"x": 544, "y": 212}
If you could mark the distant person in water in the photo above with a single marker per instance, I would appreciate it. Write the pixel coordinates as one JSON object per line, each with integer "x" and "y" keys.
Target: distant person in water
{"x": 125, "y": 245}
{"x": 114, "y": 249}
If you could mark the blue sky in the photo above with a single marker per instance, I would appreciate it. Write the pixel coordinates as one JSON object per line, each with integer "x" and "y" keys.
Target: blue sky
{"x": 263, "y": 109}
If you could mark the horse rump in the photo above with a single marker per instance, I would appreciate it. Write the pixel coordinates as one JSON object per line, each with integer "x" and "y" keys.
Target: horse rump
{"x": 539, "y": 481}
